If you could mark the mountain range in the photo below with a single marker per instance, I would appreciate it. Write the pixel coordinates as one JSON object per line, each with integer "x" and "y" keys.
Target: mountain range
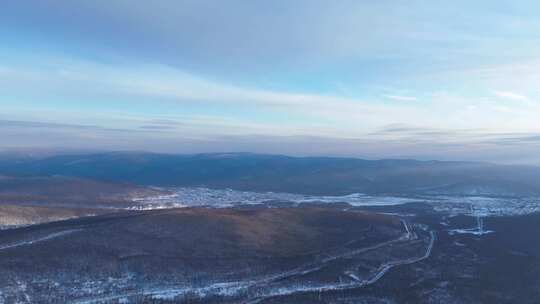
{"x": 278, "y": 173}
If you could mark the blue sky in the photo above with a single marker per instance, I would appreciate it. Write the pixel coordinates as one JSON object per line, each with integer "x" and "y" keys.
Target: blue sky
{"x": 374, "y": 79}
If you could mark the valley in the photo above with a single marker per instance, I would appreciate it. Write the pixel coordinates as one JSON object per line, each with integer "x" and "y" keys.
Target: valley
{"x": 79, "y": 240}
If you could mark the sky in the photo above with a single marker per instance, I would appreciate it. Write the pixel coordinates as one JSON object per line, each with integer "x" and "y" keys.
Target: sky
{"x": 449, "y": 80}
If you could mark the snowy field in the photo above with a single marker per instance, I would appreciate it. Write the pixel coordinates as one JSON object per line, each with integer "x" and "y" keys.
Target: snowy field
{"x": 452, "y": 205}
{"x": 196, "y": 197}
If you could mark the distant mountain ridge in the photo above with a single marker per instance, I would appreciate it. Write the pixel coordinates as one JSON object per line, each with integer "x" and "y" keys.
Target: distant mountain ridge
{"x": 278, "y": 173}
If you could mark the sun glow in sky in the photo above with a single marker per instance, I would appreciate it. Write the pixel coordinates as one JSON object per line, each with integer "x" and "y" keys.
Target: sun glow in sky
{"x": 377, "y": 79}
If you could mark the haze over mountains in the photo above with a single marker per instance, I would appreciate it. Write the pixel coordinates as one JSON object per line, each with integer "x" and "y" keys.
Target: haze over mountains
{"x": 307, "y": 175}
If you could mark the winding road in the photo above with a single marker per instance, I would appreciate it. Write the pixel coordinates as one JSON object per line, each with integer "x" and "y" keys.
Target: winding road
{"x": 236, "y": 288}
{"x": 38, "y": 239}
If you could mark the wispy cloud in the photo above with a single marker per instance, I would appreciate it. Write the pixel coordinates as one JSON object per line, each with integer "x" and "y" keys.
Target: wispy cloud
{"x": 41, "y": 125}
{"x": 269, "y": 111}
{"x": 154, "y": 83}
{"x": 400, "y": 97}
{"x": 511, "y": 95}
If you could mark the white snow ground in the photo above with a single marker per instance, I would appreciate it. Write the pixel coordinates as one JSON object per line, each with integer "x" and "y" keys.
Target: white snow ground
{"x": 453, "y": 205}
{"x": 190, "y": 197}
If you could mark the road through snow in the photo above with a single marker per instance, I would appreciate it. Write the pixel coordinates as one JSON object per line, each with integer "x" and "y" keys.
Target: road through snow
{"x": 381, "y": 271}
{"x": 37, "y": 240}
{"x": 236, "y": 288}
